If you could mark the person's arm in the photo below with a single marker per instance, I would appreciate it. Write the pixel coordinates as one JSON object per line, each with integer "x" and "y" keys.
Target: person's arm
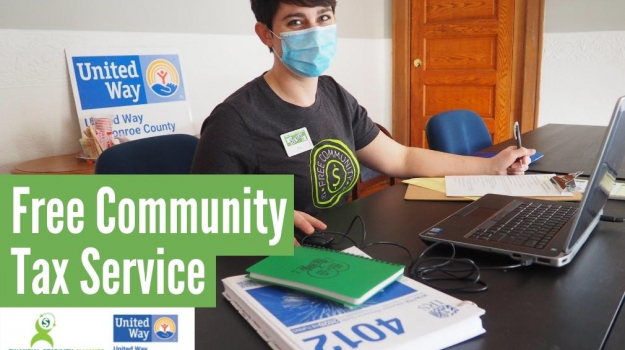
{"x": 389, "y": 157}
{"x": 379, "y": 152}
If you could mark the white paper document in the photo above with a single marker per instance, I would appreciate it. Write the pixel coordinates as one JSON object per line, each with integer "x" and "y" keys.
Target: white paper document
{"x": 405, "y": 315}
{"x": 510, "y": 185}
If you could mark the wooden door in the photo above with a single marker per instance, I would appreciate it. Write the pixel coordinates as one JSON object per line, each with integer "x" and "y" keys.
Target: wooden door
{"x": 461, "y": 58}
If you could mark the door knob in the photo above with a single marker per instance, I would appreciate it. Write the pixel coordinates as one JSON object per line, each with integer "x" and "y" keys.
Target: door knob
{"x": 417, "y": 63}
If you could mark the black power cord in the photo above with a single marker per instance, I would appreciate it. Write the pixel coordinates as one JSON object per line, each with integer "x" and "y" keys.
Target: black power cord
{"x": 463, "y": 274}
{"x": 611, "y": 218}
{"x": 435, "y": 271}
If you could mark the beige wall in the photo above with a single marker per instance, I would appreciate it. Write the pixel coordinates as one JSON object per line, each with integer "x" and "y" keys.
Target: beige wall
{"x": 363, "y": 19}
{"x": 568, "y": 16}
{"x": 583, "y": 61}
{"x": 219, "y": 53}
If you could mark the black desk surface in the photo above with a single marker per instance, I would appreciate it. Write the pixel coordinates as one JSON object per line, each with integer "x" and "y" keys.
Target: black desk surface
{"x": 529, "y": 308}
{"x": 567, "y": 148}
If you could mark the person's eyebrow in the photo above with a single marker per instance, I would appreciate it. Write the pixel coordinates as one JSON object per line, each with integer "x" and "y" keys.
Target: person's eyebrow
{"x": 294, "y": 15}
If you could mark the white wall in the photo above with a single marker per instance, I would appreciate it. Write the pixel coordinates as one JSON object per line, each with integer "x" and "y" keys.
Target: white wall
{"x": 573, "y": 16}
{"x": 583, "y": 67}
{"x": 38, "y": 112}
{"x": 582, "y": 76}
{"x": 358, "y": 18}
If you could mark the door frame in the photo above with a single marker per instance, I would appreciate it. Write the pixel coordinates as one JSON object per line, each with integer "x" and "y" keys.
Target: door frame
{"x": 526, "y": 66}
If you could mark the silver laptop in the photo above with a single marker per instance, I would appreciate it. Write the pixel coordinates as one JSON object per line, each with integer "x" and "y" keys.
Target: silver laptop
{"x": 544, "y": 232}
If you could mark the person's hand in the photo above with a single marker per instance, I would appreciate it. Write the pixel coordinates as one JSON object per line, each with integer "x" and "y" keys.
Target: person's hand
{"x": 506, "y": 162}
{"x": 307, "y": 224}
{"x": 165, "y": 90}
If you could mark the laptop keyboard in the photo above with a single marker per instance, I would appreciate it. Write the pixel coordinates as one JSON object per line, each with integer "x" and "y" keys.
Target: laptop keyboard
{"x": 530, "y": 225}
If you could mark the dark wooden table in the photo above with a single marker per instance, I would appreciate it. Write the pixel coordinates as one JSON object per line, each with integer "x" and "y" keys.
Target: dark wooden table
{"x": 530, "y": 308}
{"x": 567, "y": 148}
{"x": 574, "y": 307}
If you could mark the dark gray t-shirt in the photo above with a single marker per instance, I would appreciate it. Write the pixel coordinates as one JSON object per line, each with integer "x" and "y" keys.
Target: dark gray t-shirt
{"x": 242, "y": 136}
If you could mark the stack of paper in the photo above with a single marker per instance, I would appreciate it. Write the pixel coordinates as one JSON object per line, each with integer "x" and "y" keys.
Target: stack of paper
{"x": 470, "y": 188}
{"x": 511, "y": 185}
{"x": 405, "y": 315}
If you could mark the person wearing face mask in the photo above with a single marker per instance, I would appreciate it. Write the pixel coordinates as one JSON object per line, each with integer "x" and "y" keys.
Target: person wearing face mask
{"x": 294, "y": 120}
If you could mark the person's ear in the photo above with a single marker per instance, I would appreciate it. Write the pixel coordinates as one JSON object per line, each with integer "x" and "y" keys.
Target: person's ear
{"x": 264, "y": 34}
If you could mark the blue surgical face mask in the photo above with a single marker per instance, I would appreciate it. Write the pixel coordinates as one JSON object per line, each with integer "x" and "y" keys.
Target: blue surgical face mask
{"x": 309, "y": 52}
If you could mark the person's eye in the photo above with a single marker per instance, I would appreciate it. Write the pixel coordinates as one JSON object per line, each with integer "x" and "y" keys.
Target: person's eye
{"x": 325, "y": 18}
{"x": 295, "y": 23}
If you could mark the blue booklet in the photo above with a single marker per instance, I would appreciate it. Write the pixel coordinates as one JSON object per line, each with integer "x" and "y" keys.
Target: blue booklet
{"x": 534, "y": 158}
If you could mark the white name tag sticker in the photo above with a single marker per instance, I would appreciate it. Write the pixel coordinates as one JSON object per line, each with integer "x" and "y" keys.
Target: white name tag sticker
{"x": 296, "y": 142}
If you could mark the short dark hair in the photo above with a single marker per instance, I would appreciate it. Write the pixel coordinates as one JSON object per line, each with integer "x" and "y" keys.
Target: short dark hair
{"x": 265, "y": 10}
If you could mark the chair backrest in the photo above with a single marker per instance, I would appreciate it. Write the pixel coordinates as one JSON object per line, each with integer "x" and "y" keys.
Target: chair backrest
{"x": 460, "y": 132}
{"x": 168, "y": 154}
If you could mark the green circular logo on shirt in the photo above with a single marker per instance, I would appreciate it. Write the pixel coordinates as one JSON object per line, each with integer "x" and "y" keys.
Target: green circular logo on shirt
{"x": 334, "y": 171}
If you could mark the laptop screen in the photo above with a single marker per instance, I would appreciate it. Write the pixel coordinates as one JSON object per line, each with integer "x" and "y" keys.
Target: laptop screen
{"x": 604, "y": 174}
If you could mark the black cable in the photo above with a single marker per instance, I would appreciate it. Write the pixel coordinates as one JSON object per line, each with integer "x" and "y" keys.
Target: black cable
{"x": 329, "y": 241}
{"x": 434, "y": 270}
{"x": 349, "y": 228}
{"x": 391, "y": 244}
{"x": 437, "y": 271}
{"x": 611, "y": 218}
{"x": 508, "y": 267}
{"x": 319, "y": 237}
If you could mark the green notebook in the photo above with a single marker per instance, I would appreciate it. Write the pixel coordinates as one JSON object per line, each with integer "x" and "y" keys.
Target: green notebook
{"x": 343, "y": 277}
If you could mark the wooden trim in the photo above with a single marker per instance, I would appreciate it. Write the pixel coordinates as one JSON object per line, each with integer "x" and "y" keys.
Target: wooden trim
{"x": 505, "y": 42}
{"x": 401, "y": 71}
{"x": 417, "y": 96}
{"x": 539, "y": 60}
{"x": 528, "y": 37}
{"x": 518, "y": 62}
{"x": 533, "y": 55}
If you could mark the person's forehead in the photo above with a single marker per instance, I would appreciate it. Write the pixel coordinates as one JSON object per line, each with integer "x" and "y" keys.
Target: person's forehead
{"x": 288, "y": 10}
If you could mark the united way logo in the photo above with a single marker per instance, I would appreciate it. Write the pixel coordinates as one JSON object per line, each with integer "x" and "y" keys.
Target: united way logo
{"x": 162, "y": 77}
{"x": 165, "y": 328}
{"x": 145, "y": 328}
{"x": 127, "y": 80}
{"x": 334, "y": 171}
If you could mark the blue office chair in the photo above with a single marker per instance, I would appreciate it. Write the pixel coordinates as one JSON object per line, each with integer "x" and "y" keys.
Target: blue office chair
{"x": 169, "y": 154}
{"x": 459, "y": 132}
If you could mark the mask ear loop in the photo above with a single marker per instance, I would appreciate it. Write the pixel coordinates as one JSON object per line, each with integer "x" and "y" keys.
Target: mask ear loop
{"x": 274, "y": 50}
{"x": 279, "y": 37}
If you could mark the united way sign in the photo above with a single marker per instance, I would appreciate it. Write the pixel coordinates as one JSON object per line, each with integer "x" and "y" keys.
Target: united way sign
{"x": 142, "y": 90}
